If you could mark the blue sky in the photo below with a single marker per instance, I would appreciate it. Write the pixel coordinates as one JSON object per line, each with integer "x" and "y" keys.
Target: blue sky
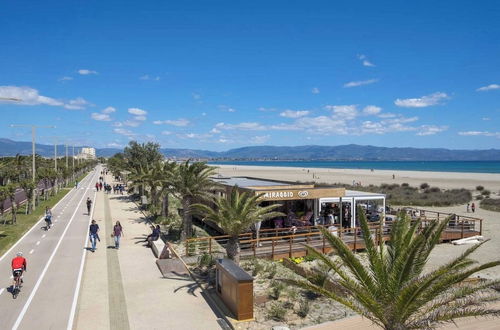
{"x": 224, "y": 74}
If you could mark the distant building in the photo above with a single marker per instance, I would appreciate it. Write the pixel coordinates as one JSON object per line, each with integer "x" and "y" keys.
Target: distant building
{"x": 86, "y": 153}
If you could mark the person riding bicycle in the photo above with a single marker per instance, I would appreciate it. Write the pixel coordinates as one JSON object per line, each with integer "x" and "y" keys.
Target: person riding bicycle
{"x": 48, "y": 217}
{"x": 18, "y": 267}
{"x": 89, "y": 205}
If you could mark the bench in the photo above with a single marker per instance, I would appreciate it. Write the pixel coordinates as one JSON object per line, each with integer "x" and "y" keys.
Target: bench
{"x": 157, "y": 247}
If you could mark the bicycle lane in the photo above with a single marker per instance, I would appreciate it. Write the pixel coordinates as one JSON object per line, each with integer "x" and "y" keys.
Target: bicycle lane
{"x": 36, "y": 245}
{"x": 49, "y": 302}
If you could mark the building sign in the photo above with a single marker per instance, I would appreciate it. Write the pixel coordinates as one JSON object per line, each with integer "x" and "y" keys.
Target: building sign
{"x": 294, "y": 194}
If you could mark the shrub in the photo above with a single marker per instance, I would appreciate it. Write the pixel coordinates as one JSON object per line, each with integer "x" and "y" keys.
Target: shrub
{"x": 206, "y": 260}
{"x": 424, "y": 186}
{"x": 309, "y": 257}
{"x": 277, "y": 288}
{"x": 491, "y": 204}
{"x": 485, "y": 192}
{"x": 271, "y": 270}
{"x": 405, "y": 185}
{"x": 479, "y": 188}
{"x": 258, "y": 267}
{"x": 479, "y": 197}
{"x": 276, "y": 312}
{"x": 303, "y": 308}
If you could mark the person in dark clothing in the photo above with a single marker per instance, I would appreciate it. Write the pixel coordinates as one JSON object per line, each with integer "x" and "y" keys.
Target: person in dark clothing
{"x": 94, "y": 235}
{"x": 154, "y": 235}
{"x": 89, "y": 205}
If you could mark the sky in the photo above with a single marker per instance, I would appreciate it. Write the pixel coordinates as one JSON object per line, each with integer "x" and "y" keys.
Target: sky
{"x": 218, "y": 75}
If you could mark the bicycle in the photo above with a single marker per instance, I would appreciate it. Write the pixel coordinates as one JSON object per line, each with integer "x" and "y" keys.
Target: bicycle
{"x": 16, "y": 289}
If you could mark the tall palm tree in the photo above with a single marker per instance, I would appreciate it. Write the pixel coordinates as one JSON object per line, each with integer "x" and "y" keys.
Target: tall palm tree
{"x": 192, "y": 181}
{"x": 392, "y": 290}
{"x": 168, "y": 171}
{"x": 235, "y": 215}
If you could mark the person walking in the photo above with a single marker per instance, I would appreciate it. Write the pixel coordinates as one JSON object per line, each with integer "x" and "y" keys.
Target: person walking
{"x": 473, "y": 207}
{"x": 94, "y": 235}
{"x": 117, "y": 234}
{"x": 468, "y": 207}
{"x": 89, "y": 205}
{"x": 97, "y": 186}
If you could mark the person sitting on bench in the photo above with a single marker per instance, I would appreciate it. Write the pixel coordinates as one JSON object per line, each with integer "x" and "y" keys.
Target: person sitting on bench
{"x": 154, "y": 235}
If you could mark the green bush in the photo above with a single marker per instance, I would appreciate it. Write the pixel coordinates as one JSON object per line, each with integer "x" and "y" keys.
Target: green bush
{"x": 303, "y": 308}
{"x": 479, "y": 188}
{"x": 479, "y": 197}
{"x": 485, "y": 192}
{"x": 276, "y": 312}
{"x": 206, "y": 260}
{"x": 277, "y": 288}
{"x": 491, "y": 204}
{"x": 271, "y": 270}
{"x": 258, "y": 267}
{"x": 424, "y": 186}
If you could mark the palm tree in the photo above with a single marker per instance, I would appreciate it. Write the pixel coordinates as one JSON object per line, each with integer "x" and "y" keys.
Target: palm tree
{"x": 391, "y": 288}
{"x": 167, "y": 174}
{"x": 192, "y": 181}
{"x": 235, "y": 215}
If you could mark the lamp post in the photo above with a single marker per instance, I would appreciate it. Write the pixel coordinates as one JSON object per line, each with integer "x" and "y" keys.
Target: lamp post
{"x": 33, "y": 134}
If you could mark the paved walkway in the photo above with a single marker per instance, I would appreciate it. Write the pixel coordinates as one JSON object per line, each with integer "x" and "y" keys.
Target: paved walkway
{"x": 123, "y": 289}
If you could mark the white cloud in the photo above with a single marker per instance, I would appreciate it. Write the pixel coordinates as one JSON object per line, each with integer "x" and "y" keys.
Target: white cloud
{"x": 486, "y": 118}
{"x": 31, "y": 96}
{"x": 100, "y": 116}
{"x": 488, "y": 88}
{"x": 65, "y": 78}
{"x": 260, "y": 139}
{"x": 114, "y": 145}
{"x": 27, "y": 96}
{"x": 137, "y": 112}
{"x": 215, "y": 131}
{"x": 315, "y": 90}
{"x": 130, "y": 123}
{"x": 123, "y": 131}
{"x": 343, "y": 111}
{"x": 203, "y": 114}
{"x": 140, "y": 118}
{"x": 148, "y": 77}
{"x": 226, "y": 108}
{"x": 109, "y": 110}
{"x": 365, "y": 61}
{"x": 371, "y": 110}
{"x": 181, "y": 122}
{"x": 263, "y": 109}
{"x": 422, "y": 102}
{"x": 294, "y": 114}
{"x": 360, "y": 83}
{"x": 387, "y": 115}
{"x": 77, "y": 104}
{"x": 196, "y": 96}
{"x": 166, "y": 133}
{"x": 222, "y": 140}
{"x": 480, "y": 133}
{"x": 431, "y": 129}
{"x": 117, "y": 124}
{"x": 85, "y": 72}
{"x": 247, "y": 126}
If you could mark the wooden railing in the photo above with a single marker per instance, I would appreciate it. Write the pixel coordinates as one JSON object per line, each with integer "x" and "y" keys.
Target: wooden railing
{"x": 277, "y": 242}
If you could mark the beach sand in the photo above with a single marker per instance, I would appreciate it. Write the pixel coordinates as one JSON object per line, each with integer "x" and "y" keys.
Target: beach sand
{"x": 444, "y": 180}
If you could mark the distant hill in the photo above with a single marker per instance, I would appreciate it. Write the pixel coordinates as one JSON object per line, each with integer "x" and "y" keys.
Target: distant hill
{"x": 311, "y": 152}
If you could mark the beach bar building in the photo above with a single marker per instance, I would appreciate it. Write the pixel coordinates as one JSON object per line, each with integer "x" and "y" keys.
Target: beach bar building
{"x": 304, "y": 204}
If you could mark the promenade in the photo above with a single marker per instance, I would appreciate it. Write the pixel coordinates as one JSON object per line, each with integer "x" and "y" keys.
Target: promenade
{"x": 123, "y": 289}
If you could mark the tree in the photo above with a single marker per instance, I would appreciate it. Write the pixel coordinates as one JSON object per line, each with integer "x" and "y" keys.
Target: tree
{"x": 141, "y": 155}
{"x": 235, "y": 215}
{"x": 11, "y": 196}
{"x": 192, "y": 181}
{"x": 3, "y": 198}
{"x": 29, "y": 188}
{"x": 392, "y": 290}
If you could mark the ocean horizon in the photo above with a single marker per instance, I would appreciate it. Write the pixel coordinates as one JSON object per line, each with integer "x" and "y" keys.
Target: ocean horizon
{"x": 425, "y": 166}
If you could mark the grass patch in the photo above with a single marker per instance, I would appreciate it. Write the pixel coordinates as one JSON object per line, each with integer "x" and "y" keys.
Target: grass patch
{"x": 490, "y": 204}
{"x": 12, "y": 233}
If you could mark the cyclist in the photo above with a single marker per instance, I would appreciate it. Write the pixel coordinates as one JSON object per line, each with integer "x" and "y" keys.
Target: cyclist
{"x": 48, "y": 217}
{"x": 89, "y": 205}
{"x": 18, "y": 268}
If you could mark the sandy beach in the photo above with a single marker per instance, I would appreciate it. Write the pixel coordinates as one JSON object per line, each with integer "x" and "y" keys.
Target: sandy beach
{"x": 444, "y": 180}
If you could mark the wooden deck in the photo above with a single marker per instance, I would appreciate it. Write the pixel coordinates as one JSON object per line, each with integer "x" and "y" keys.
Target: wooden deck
{"x": 278, "y": 243}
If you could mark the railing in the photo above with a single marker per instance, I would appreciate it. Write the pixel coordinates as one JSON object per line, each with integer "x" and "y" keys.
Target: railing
{"x": 282, "y": 242}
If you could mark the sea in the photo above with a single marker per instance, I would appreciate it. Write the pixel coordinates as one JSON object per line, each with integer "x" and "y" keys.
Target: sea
{"x": 431, "y": 166}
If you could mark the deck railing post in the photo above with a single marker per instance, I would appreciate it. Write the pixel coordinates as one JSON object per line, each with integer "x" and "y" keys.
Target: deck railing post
{"x": 210, "y": 245}
{"x": 462, "y": 234}
{"x": 290, "y": 247}
{"x": 272, "y": 249}
{"x": 355, "y": 238}
{"x": 480, "y": 226}
{"x": 324, "y": 241}
{"x": 254, "y": 247}
{"x": 187, "y": 248}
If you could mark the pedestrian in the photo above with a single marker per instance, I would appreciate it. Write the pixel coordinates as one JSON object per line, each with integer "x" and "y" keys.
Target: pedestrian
{"x": 97, "y": 186}
{"x": 94, "y": 235}
{"x": 393, "y": 176}
{"x": 89, "y": 205}
{"x": 121, "y": 189}
{"x": 473, "y": 207}
{"x": 48, "y": 218}
{"x": 468, "y": 207}
{"x": 100, "y": 186}
{"x": 117, "y": 234}
{"x": 76, "y": 184}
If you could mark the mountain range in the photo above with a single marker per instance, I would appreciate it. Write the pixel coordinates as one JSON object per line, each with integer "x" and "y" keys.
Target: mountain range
{"x": 308, "y": 152}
